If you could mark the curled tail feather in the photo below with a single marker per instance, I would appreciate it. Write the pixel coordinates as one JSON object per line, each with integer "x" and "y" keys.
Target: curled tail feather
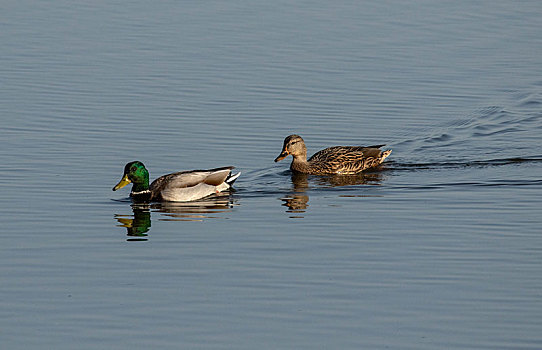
{"x": 385, "y": 155}
{"x": 231, "y": 179}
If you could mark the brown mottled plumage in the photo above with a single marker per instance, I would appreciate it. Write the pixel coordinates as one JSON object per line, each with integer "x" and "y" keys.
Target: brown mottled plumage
{"x": 344, "y": 160}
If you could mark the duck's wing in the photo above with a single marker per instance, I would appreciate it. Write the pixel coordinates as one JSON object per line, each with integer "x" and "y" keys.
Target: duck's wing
{"x": 375, "y": 146}
{"x": 347, "y": 159}
{"x": 338, "y": 159}
{"x": 191, "y": 185}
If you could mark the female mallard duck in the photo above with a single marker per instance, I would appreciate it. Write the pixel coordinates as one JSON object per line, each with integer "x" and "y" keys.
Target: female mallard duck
{"x": 344, "y": 160}
{"x": 183, "y": 186}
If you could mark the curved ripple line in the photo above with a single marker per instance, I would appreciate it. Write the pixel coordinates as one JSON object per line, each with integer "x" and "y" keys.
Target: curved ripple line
{"x": 461, "y": 164}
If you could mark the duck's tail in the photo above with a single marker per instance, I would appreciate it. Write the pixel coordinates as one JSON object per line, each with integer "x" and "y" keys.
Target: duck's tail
{"x": 385, "y": 155}
{"x": 232, "y": 177}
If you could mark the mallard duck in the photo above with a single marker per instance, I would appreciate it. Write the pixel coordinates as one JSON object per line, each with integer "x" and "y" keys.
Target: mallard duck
{"x": 183, "y": 186}
{"x": 345, "y": 160}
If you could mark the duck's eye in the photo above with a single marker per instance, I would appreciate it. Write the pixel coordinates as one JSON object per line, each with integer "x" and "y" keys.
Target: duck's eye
{"x": 133, "y": 168}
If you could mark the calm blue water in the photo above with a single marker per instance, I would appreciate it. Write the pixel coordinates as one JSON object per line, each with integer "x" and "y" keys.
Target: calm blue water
{"x": 441, "y": 248}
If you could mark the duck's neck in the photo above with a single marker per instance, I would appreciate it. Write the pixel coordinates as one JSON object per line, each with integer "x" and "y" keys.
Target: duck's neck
{"x": 140, "y": 186}
{"x": 141, "y": 192}
{"x": 300, "y": 164}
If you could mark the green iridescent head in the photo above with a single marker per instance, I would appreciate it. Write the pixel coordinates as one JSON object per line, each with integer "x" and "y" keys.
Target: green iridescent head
{"x": 136, "y": 173}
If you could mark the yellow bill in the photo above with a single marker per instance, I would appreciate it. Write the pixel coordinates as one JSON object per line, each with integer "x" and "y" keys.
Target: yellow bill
{"x": 123, "y": 182}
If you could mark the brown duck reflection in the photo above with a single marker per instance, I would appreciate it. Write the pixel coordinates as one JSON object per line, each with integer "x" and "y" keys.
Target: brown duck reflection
{"x": 369, "y": 178}
{"x": 298, "y": 200}
{"x": 138, "y": 224}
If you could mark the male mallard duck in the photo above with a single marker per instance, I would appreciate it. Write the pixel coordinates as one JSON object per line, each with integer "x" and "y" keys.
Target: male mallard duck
{"x": 344, "y": 160}
{"x": 183, "y": 186}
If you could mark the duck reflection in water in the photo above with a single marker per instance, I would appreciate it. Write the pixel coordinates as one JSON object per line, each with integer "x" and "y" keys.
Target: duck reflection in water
{"x": 195, "y": 210}
{"x": 297, "y": 201}
{"x": 138, "y": 224}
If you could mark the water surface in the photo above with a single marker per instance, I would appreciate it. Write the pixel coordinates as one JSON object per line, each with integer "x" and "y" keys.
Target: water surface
{"x": 439, "y": 248}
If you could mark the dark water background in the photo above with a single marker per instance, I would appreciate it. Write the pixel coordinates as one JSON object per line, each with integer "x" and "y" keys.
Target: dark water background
{"x": 439, "y": 249}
